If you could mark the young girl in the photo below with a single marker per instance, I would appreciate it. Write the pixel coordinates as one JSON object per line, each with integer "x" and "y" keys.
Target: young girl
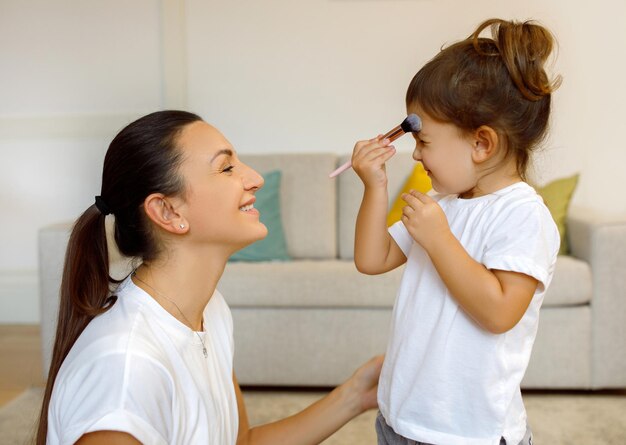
{"x": 153, "y": 362}
{"x": 479, "y": 256}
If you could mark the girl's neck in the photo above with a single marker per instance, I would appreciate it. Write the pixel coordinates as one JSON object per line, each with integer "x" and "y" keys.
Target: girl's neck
{"x": 183, "y": 286}
{"x": 493, "y": 179}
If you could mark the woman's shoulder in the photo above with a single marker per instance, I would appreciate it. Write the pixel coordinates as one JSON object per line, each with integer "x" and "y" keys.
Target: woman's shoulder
{"x": 114, "y": 356}
{"x": 105, "y": 381}
{"x": 122, "y": 333}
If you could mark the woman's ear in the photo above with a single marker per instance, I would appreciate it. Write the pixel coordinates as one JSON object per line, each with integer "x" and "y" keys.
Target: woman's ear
{"x": 162, "y": 213}
{"x": 485, "y": 140}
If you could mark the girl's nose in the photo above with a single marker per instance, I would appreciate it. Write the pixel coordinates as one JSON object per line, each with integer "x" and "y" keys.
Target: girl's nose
{"x": 417, "y": 154}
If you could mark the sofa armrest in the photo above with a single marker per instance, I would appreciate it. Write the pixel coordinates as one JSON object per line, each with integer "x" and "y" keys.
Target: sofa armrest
{"x": 601, "y": 241}
{"x": 52, "y": 245}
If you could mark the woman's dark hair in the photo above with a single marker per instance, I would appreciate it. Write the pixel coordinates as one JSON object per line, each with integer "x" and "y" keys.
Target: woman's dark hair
{"x": 500, "y": 82}
{"x": 142, "y": 159}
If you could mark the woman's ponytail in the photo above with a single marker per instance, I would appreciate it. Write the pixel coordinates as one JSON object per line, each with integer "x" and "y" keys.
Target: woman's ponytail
{"x": 84, "y": 294}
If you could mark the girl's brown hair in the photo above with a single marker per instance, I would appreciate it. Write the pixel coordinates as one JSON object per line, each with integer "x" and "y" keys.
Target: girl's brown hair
{"x": 142, "y": 159}
{"x": 500, "y": 82}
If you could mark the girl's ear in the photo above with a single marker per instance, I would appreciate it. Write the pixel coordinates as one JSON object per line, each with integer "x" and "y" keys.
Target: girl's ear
{"x": 161, "y": 212}
{"x": 485, "y": 141}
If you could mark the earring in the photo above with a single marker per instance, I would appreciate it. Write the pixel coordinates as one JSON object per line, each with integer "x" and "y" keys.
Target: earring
{"x": 182, "y": 226}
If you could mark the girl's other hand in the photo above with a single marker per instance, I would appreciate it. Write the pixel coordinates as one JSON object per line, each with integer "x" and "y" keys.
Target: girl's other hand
{"x": 368, "y": 160}
{"x": 424, "y": 218}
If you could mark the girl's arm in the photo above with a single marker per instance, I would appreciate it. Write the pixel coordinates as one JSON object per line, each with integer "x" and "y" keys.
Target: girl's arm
{"x": 320, "y": 420}
{"x": 375, "y": 251}
{"x": 495, "y": 299}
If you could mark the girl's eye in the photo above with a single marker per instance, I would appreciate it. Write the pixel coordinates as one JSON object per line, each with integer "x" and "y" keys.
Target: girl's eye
{"x": 228, "y": 169}
{"x": 418, "y": 140}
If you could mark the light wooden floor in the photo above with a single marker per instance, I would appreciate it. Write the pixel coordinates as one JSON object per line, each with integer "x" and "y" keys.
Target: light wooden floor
{"x": 20, "y": 360}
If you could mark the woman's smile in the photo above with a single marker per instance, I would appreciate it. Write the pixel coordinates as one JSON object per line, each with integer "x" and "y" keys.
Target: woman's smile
{"x": 249, "y": 209}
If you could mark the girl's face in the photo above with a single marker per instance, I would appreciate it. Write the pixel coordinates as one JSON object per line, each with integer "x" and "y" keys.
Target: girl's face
{"x": 446, "y": 155}
{"x": 219, "y": 196}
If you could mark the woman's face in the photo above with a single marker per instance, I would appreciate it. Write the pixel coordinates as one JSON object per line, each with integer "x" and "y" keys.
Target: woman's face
{"x": 219, "y": 195}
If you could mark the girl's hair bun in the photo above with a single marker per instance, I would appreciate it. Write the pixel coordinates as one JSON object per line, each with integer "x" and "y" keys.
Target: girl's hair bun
{"x": 524, "y": 48}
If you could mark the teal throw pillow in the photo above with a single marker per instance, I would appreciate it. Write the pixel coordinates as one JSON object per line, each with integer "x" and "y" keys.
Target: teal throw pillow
{"x": 273, "y": 247}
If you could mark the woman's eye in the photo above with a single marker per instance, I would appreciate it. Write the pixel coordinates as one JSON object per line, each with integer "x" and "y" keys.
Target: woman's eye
{"x": 228, "y": 169}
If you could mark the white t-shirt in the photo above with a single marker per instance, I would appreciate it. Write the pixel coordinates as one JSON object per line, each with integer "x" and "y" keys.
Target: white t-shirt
{"x": 138, "y": 370}
{"x": 445, "y": 379}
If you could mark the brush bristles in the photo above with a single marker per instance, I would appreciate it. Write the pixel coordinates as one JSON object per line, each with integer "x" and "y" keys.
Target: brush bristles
{"x": 412, "y": 124}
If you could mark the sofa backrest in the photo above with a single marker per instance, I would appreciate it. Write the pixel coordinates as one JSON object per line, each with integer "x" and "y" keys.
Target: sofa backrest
{"x": 350, "y": 194}
{"x": 308, "y": 200}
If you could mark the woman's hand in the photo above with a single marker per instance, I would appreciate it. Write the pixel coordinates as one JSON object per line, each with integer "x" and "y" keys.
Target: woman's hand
{"x": 366, "y": 379}
{"x": 368, "y": 160}
{"x": 363, "y": 385}
{"x": 424, "y": 218}
{"x": 316, "y": 423}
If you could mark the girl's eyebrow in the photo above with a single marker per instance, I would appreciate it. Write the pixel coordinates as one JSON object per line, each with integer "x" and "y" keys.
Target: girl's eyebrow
{"x": 224, "y": 151}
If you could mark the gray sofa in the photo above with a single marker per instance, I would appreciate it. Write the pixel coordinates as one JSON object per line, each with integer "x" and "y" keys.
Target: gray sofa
{"x": 311, "y": 321}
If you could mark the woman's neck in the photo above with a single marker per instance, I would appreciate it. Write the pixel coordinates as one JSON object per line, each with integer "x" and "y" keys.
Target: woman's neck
{"x": 183, "y": 286}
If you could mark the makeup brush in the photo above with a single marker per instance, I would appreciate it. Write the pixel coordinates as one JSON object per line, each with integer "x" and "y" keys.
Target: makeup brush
{"x": 412, "y": 124}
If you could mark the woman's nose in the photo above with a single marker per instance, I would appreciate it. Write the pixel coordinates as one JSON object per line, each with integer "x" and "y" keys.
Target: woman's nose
{"x": 252, "y": 180}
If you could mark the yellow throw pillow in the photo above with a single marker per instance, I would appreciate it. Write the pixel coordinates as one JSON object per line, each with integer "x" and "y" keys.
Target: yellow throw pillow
{"x": 557, "y": 195}
{"x": 417, "y": 180}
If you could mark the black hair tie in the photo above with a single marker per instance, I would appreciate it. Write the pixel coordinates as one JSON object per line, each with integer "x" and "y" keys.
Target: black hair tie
{"x": 101, "y": 205}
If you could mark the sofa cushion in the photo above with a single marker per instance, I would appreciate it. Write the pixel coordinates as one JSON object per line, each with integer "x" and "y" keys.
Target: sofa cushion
{"x": 307, "y": 283}
{"x": 561, "y": 356}
{"x": 308, "y": 200}
{"x": 337, "y": 283}
{"x": 571, "y": 284}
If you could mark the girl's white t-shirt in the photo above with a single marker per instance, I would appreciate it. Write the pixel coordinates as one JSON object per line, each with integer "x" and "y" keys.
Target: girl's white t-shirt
{"x": 137, "y": 369}
{"x": 445, "y": 379}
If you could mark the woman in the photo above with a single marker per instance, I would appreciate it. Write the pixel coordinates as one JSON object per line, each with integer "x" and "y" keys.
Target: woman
{"x": 152, "y": 361}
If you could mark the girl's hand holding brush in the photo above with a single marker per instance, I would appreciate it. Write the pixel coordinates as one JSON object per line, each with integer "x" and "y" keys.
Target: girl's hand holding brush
{"x": 368, "y": 160}
{"x": 411, "y": 124}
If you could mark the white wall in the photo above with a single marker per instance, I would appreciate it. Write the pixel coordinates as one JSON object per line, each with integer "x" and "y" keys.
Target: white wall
{"x": 274, "y": 76}
{"x": 72, "y": 74}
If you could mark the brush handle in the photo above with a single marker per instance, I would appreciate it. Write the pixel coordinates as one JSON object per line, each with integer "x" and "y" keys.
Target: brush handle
{"x": 341, "y": 169}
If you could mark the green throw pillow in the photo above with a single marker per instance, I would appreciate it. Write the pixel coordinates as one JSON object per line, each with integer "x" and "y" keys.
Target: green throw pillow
{"x": 557, "y": 195}
{"x": 273, "y": 247}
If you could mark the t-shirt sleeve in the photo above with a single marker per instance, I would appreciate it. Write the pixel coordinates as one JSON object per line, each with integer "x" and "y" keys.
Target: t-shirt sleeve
{"x": 524, "y": 239}
{"x": 402, "y": 237}
{"x": 117, "y": 393}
